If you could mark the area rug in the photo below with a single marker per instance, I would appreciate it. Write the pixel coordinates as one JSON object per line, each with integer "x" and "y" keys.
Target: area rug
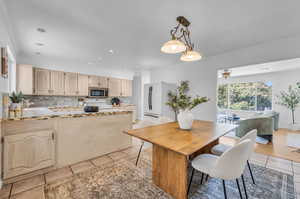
{"x": 123, "y": 180}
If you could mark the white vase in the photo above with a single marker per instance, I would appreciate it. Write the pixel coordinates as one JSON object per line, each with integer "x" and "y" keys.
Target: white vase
{"x": 15, "y": 106}
{"x": 185, "y": 119}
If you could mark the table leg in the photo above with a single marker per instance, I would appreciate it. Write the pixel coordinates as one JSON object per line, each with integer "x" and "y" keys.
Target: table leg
{"x": 169, "y": 171}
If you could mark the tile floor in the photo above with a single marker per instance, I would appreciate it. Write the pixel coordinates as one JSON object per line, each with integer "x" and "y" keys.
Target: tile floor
{"x": 33, "y": 187}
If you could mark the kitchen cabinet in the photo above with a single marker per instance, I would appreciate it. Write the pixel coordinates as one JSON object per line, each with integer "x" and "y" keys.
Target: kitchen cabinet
{"x": 27, "y": 152}
{"x": 71, "y": 84}
{"x": 97, "y": 81}
{"x": 114, "y": 86}
{"x": 57, "y": 82}
{"x": 25, "y": 81}
{"x": 83, "y": 85}
{"x": 126, "y": 86}
{"x": 42, "y": 81}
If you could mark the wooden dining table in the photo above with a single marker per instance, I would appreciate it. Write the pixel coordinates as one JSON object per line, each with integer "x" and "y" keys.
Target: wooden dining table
{"x": 173, "y": 148}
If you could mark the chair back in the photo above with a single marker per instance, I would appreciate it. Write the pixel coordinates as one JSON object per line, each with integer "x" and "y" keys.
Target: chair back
{"x": 251, "y": 135}
{"x": 232, "y": 162}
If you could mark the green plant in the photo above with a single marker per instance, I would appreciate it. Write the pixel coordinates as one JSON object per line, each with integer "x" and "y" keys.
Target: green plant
{"x": 16, "y": 97}
{"x": 180, "y": 100}
{"x": 290, "y": 99}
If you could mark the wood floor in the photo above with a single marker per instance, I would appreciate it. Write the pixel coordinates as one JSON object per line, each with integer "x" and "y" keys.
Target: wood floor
{"x": 278, "y": 148}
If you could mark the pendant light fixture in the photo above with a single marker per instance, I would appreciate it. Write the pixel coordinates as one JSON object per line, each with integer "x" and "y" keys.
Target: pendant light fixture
{"x": 181, "y": 42}
{"x": 226, "y": 73}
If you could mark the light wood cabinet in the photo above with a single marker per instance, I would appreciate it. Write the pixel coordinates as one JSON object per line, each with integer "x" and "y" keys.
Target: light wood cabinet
{"x": 57, "y": 83}
{"x": 25, "y": 82}
{"x": 97, "y": 81}
{"x": 42, "y": 81}
{"x": 83, "y": 85}
{"x": 126, "y": 88}
{"x": 71, "y": 84}
{"x": 103, "y": 82}
{"x": 93, "y": 81}
{"x": 28, "y": 152}
{"x": 114, "y": 86}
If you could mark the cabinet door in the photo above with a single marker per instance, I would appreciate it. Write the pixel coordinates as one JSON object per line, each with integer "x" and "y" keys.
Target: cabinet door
{"x": 83, "y": 85}
{"x": 114, "y": 86}
{"x": 126, "y": 88}
{"x": 28, "y": 152}
{"x": 42, "y": 81}
{"x": 71, "y": 84}
{"x": 57, "y": 83}
{"x": 25, "y": 79}
{"x": 103, "y": 82}
{"x": 93, "y": 81}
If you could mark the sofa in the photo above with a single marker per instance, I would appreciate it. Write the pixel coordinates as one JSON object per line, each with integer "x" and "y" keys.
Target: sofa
{"x": 265, "y": 124}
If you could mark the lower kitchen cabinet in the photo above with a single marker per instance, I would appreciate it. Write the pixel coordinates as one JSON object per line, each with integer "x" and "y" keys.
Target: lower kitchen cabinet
{"x": 27, "y": 152}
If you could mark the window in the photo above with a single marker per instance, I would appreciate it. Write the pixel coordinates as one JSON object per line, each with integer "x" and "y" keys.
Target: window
{"x": 252, "y": 96}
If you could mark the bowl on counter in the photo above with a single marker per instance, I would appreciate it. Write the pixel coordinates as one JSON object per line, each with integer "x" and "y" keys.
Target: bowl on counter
{"x": 91, "y": 109}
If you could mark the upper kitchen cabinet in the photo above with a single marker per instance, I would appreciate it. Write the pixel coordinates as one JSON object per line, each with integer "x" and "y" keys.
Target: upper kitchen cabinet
{"x": 126, "y": 86}
{"x": 25, "y": 80}
{"x": 71, "y": 84}
{"x": 42, "y": 81}
{"x": 96, "y": 81}
{"x": 57, "y": 83}
{"x": 83, "y": 85}
{"x": 114, "y": 86}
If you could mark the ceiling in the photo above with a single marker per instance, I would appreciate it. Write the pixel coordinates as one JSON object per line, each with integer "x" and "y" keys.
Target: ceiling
{"x": 278, "y": 66}
{"x": 84, "y": 31}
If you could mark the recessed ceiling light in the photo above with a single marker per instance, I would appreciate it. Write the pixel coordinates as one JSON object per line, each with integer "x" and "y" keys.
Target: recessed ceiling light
{"x": 42, "y": 30}
{"x": 266, "y": 68}
{"x": 90, "y": 63}
{"x": 38, "y": 53}
{"x": 111, "y": 51}
{"x": 39, "y": 44}
{"x": 100, "y": 58}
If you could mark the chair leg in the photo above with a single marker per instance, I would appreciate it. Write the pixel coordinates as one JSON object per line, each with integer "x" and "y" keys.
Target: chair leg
{"x": 239, "y": 188}
{"x": 250, "y": 172}
{"x": 206, "y": 177}
{"x": 138, "y": 157}
{"x": 193, "y": 170}
{"x": 202, "y": 176}
{"x": 244, "y": 185}
{"x": 224, "y": 188}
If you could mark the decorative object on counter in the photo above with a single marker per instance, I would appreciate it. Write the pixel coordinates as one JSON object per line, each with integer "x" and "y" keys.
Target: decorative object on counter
{"x": 4, "y": 63}
{"x": 81, "y": 101}
{"x": 91, "y": 109}
{"x": 115, "y": 101}
{"x": 291, "y": 100}
{"x": 182, "y": 103}
{"x": 15, "y": 108}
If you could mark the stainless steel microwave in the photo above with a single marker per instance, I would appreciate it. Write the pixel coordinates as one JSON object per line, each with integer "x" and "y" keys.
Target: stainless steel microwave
{"x": 98, "y": 92}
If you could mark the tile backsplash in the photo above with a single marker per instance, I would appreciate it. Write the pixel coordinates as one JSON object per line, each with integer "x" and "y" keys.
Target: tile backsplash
{"x": 50, "y": 101}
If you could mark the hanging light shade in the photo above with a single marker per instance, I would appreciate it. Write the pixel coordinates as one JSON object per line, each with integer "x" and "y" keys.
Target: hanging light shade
{"x": 190, "y": 55}
{"x": 173, "y": 46}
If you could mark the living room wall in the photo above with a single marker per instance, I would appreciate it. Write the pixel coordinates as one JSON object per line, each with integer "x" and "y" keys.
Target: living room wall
{"x": 280, "y": 81}
{"x": 203, "y": 74}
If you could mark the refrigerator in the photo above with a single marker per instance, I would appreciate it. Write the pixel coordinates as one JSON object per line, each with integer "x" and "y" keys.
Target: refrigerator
{"x": 155, "y": 98}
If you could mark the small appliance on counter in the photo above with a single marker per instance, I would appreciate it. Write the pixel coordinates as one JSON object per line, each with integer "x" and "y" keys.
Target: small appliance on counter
{"x": 91, "y": 109}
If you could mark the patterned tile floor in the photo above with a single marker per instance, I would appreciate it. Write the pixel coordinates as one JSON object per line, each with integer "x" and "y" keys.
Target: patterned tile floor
{"x": 33, "y": 187}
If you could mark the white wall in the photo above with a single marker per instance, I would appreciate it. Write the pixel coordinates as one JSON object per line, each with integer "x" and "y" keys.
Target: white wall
{"x": 280, "y": 81}
{"x": 203, "y": 74}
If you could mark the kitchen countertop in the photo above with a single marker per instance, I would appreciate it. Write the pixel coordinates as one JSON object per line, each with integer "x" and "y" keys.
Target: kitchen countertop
{"x": 67, "y": 112}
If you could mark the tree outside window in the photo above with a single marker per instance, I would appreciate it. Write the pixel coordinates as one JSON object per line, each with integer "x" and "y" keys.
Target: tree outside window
{"x": 253, "y": 96}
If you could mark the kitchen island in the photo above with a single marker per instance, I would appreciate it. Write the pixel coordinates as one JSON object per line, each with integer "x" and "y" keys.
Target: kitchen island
{"x": 59, "y": 139}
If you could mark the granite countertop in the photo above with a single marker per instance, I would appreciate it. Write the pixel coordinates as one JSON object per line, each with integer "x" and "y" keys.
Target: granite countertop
{"x": 74, "y": 112}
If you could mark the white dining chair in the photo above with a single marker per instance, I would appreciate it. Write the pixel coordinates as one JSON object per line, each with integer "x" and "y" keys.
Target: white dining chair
{"x": 221, "y": 148}
{"x": 229, "y": 166}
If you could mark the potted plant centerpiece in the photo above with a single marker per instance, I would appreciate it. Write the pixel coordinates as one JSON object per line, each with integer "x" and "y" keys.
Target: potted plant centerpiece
{"x": 182, "y": 104}
{"x": 291, "y": 100}
{"x": 16, "y": 99}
